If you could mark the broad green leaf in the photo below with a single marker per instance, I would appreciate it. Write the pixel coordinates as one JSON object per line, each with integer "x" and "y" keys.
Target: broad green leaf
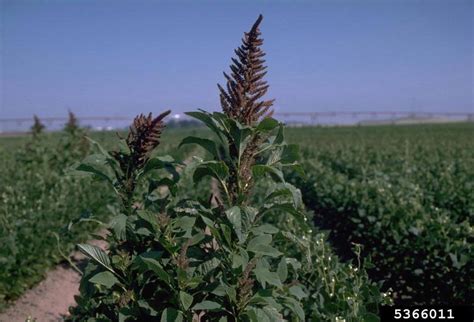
{"x": 207, "y": 119}
{"x": 207, "y": 305}
{"x": 295, "y": 306}
{"x": 154, "y": 164}
{"x": 171, "y": 315}
{"x": 282, "y": 269}
{"x": 99, "y": 148}
{"x": 231, "y": 293}
{"x": 184, "y": 223}
{"x": 97, "y": 255}
{"x": 297, "y": 291}
{"x": 216, "y": 169}
{"x": 273, "y": 313}
{"x": 118, "y": 225}
{"x": 94, "y": 170}
{"x": 280, "y": 136}
{"x": 290, "y": 153}
{"x": 221, "y": 119}
{"x": 265, "y": 250}
{"x": 227, "y": 232}
{"x": 265, "y": 229}
{"x": 234, "y": 217}
{"x": 259, "y": 240}
{"x": 148, "y": 216}
{"x": 256, "y": 314}
{"x": 207, "y": 144}
{"x": 259, "y": 170}
{"x": 155, "y": 254}
{"x": 186, "y": 300}
{"x": 285, "y": 190}
{"x": 196, "y": 239}
{"x": 106, "y": 279}
{"x": 267, "y": 124}
{"x": 298, "y": 168}
{"x": 241, "y": 136}
{"x": 284, "y": 207}
{"x": 279, "y": 192}
{"x": 155, "y": 266}
{"x": 264, "y": 276}
{"x": 237, "y": 261}
{"x": 161, "y": 162}
{"x": 144, "y": 304}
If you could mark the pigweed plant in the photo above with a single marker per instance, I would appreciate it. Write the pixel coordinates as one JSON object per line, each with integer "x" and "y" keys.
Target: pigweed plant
{"x": 217, "y": 259}
{"x": 38, "y": 127}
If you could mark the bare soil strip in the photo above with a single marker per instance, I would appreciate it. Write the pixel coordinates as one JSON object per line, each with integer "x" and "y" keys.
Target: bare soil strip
{"x": 50, "y": 299}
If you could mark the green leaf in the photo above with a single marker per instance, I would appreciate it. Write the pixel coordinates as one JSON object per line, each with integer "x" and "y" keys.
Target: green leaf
{"x": 196, "y": 239}
{"x": 290, "y": 153}
{"x": 186, "y": 300}
{"x": 265, "y": 250}
{"x": 240, "y": 136}
{"x": 207, "y": 305}
{"x": 272, "y": 313}
{"x": 265, "y": 229}
{"x": 148, "y": 216}
{"x": 280, "y": 136}
{"x": 284, "y": 207}
{"x": 259, "y": 170}
{"x": 370, "y": 317}
{"x": 97, "y": 255}
{"x": 298, "y": 292}
{"x": 295, "y": 306}
{"x": 161, "y": 162}
{"x": 264, "y": 276}
{"x": 91, "y": 169}
{"x": 298, "y": 168}
{"x": 106, "y": 279}
{"x": 155, "y": 254}
{"x": 235, "y": 218}
{"x": 260, "y": 240}
{"x": 261, "y": 245}
{"x": 282, "y": 270}
{"x": 216, "y": 169}
{"x": 171, "y": 315}
{"x": 286, "y": 190}
{"x": 154, "y": 164}
{"x": 207, "y": 144}
{"x": 155, "y": 266}
{"x": 184, "y": 223}
{"x": 99, "y": 148}
{"x": 118, "y": 225}
{"x": 207, "y": 119}
{"x": 227, "y": 232}
{"x": 279, "y": 192}
{"x": 231, "y": 293}
{"x": 267, "y": 124}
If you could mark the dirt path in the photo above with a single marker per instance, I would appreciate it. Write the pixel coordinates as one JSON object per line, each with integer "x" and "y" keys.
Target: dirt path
{"x": 47, "y": 301}
{"x": 50, "y": 299}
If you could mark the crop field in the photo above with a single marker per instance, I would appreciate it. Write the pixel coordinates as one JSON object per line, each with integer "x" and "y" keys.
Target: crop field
{"x": 403, "y": 193}
{"x": 232, "y": 215}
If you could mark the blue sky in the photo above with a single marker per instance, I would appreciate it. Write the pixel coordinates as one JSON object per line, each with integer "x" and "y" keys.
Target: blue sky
{"x": 119, "y": 58}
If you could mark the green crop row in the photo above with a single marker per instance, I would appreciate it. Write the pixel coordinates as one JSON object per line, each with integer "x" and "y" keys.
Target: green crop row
{"x": 406, "y": 194}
